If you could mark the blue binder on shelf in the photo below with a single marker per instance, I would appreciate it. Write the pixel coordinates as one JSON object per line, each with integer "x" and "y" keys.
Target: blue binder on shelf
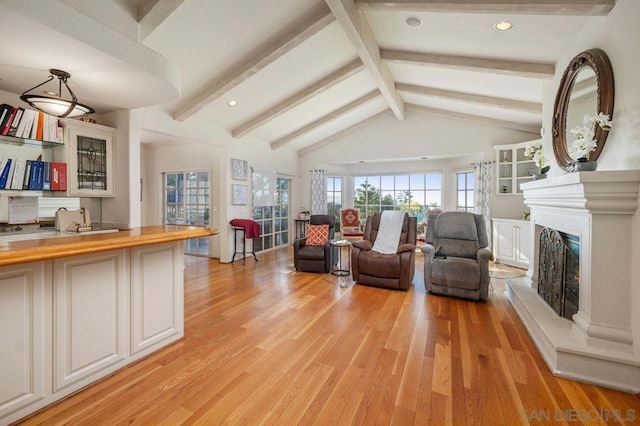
{"x": 46, "y": 176}
{"x": 39, "y": 175}
{"x": 33, "y": 179}
{"x": 4, "y": 173}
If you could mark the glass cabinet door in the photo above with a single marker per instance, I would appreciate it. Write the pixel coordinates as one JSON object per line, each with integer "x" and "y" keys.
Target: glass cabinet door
{"x": 89, "y": 153}
{"x": 92, "y": 163}
{"x": 513, "y": 167}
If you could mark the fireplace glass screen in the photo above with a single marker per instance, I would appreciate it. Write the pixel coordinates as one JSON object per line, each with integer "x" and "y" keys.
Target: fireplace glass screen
{"x": 559, "y": 271}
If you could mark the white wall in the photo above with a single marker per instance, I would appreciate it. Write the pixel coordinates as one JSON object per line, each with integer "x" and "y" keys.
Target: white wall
{"x": 117, "y": 15}
{"x": 453, "y": 145}
{"x": 205, "y": 145}
{"x": 124, "y": 209}
{"x": 618, "y": 35}
{"x": 187, "y": 156}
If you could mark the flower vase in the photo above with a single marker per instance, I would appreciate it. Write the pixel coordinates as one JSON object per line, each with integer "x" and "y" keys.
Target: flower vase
{"x": 539, "y": 173}
{"x": 584, "y": 165}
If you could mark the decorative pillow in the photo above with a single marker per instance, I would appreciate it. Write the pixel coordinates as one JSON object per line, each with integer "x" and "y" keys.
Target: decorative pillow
{"x": 317, "y": 235}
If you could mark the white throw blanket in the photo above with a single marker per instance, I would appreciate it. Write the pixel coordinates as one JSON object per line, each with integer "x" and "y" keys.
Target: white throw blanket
{"x": 389, "y": 232}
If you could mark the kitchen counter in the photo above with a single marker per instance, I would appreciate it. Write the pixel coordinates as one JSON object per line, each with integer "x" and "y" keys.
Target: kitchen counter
{"x": 46, "y": 245}
{"x": 82, "y": 306}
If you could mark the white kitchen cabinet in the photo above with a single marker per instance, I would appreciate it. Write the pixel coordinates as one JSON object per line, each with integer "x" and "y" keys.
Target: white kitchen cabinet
{"x": 156, "y": 296}
{"x": 89, "y": 152}
{"x": 25, "y": 319}
{"x": 513, "y": 168}
{"x": 512, "y": 242}
{"x": 67, "y": 322}
{"x": 90, "y": 303}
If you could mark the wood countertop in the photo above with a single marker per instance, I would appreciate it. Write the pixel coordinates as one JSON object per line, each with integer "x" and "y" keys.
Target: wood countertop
{"x": 15, "y": 252}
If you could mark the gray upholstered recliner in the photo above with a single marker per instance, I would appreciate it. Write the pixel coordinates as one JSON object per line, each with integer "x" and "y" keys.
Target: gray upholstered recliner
{"x": 456, "y": 257}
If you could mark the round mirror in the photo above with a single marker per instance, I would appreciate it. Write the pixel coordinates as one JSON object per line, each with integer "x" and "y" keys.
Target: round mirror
{"x": 586, "y": 88}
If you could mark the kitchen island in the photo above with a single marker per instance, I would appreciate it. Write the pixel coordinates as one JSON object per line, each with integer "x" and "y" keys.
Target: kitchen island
{"x": 78, "y": 308}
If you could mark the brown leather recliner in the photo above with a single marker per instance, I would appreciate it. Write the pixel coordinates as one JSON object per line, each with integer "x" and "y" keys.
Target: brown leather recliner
{"x": 316, "y": 258}
{"x": 394, "y": 271}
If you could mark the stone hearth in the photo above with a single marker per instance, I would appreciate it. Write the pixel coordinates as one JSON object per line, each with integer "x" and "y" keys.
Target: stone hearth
{"x": 597, "y": 346}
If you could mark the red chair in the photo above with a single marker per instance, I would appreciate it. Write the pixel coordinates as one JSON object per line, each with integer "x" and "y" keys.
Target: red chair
{"x": 350, "y": 227}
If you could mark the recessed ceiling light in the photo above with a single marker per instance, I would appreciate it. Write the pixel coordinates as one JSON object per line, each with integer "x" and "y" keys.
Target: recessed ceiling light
{"x": 50, "y": 93}
{"x": 413, "y": 21}
{"x": 232, "y": 103}
{"x": 503, "y": 26}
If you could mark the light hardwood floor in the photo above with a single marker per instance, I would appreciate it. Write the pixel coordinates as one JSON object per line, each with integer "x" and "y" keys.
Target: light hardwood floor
{"x": 267, "y": 345}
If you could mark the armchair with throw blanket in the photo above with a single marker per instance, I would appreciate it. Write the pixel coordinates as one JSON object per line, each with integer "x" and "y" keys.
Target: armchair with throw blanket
{"x": 314, "y": 252}
{"x": 389, "y": 263}
{"x": 456, "y": 257}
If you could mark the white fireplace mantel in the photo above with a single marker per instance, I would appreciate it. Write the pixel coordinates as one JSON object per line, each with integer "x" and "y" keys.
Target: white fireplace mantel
{"x": 597, "y": 346}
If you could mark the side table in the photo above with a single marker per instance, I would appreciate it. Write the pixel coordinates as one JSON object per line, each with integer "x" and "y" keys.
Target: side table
{"x": 341, "y": 269}
{"x": 243, "y": 237}
{"x": 301, "y": 227}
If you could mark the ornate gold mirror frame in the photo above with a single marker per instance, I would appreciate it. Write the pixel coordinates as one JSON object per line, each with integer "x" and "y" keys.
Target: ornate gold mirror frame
{"x": 598, "y": 61}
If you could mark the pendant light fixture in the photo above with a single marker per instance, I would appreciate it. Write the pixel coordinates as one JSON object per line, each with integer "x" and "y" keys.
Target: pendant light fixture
{"x": 53, "y": 103}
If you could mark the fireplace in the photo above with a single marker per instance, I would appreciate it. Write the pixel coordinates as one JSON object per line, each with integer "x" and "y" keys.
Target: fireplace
{"x": 587, "y": 330}
{"x": 559, "y": 271}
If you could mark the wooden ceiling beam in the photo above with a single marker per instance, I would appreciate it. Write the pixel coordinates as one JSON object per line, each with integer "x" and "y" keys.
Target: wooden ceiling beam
{"x": 326, "y": 119}
{"x": 308, "y": 149}
{"x": 523, "y": 7}
{"x": 513, "y": 104}
{"x": 153, "y": 13}
{"x": 300, "y": 97}
{"x": 466, "y": 63}
{"x": 301, "y": 32}
{"x": 478, "y": 119}
{"x": 361, "y": 36}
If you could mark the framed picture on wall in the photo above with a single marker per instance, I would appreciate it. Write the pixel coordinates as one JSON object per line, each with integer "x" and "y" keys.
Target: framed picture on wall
{"x": 239, "y": 169}
{"x": 239, "y": 195}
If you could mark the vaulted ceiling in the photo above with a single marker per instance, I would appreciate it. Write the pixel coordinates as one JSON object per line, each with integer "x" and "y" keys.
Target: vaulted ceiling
{"x": 304, "y": 72}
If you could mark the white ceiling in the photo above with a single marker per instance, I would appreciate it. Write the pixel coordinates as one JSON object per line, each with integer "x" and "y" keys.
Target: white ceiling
{"x": 199, "y": 44}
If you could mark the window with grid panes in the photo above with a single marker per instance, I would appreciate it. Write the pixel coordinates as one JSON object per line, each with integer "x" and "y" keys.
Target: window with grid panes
{"x": 464, "y": 187}
{"x": 415, "y": 193}
{"x": 334, "y": 198}
{"x": 186, "y": 202}
{"x": 274, "y": 220}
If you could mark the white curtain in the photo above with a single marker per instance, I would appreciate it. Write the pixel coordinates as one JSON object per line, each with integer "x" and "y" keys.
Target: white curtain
{"x": 482, "y": 192}
{"x": 264, "y": 187}
{"x": 318, "y": 191}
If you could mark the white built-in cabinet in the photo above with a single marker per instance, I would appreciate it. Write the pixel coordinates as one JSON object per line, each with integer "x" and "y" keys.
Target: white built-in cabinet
{"x": 513, "y": 167}
{"x": 25, "y": 327}
{"x": 90, "y": 308}
{"x": 511, "y": 242}
{"x": 68, "y": 322}
{"x": 89, "y": 152}
{"x": 157, "y": 304}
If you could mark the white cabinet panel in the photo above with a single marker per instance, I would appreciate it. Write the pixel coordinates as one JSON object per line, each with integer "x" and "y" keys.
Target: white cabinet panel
{"x": 156, "y": 295}
{"x": 523, "y": 253}
{"x": 91, "y": 316}
{"x": 504, "y": 244}
{"x": 511, "y": 242}
{"x": 24, "y": 319}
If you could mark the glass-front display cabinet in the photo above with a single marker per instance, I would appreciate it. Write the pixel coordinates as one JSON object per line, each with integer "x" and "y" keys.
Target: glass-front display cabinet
{"x": 513, "y": 167}
{"x": 89, "y": 153}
